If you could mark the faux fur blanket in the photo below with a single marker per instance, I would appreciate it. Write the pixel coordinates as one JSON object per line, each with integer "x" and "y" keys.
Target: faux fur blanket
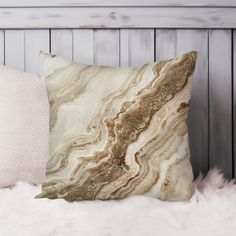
{"x": 211, "y": 212}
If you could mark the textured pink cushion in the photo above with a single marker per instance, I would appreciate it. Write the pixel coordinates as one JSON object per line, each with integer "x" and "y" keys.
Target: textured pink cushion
{"x": 24, "y": 132}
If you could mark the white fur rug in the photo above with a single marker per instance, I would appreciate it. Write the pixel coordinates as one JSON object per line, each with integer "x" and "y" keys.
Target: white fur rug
{"x": 211, "y": 212}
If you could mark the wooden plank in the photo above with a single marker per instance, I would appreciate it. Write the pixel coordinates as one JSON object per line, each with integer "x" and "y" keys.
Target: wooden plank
{"x": 137, "y": 47}
{"x": 22, "y": 48}
{"x": 83, "y": 45}
{"x": 2, "y": 50}
{"x": 62, "y": 43}
{"x": 106, "y": 47}
{"x": 165, "y": 44}
{"x": 124, "y": 47}
{"x": 234, "y": 103}
{"x": 15, "y": 49}
{"x": 118, "y": 17}
{"x": 35, "y": 41}
{"x": 220, "y": 100}
{"x": 66, "y": 3}
{"x": 188, "y": 40}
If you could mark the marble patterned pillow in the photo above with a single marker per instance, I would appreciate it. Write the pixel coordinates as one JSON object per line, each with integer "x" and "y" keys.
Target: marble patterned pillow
{"x": 118, "y": 132}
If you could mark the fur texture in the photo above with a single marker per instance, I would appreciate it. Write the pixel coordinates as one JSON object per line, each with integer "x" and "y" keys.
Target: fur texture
{"x": 211, "y": 211}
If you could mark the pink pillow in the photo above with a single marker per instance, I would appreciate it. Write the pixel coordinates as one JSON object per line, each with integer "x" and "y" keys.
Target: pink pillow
{"x": 24, "y": 132}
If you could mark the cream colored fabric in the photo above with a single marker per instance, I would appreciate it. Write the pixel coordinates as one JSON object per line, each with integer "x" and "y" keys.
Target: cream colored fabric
{"x": 117, "y": 132}
{"x": 24, "y": 129}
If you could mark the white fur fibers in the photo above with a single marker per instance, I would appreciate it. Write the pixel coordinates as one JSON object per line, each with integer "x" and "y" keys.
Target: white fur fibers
{"x": 211, "y": 212}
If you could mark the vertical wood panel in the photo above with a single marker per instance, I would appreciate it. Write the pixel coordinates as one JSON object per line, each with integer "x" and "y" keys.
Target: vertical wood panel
{"x": 220, "y": 95}
{"x": 106, "y": 47}
{"x": 35, "y": 41}
{"x": 165, "y": 44}
{"x": 188, "y": 40}
{"x": 2, "y": 50}
{"x": 124, "y": 47}
{"x": 83, "y": 45}
{"x": 137, "y": 46}
{"x": 62, "y": 43}
{"x": 15, "y": 49}
{"x": 22, "y": 49}
{"x": 234, "y": 101}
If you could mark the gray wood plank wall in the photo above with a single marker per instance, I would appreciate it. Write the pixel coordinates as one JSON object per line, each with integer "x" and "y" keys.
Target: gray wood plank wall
{"x": 95, "y": 3}
{"x": 212, "y": 116}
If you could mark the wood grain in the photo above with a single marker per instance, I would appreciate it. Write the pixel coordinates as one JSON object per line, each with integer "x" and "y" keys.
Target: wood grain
{"x": 118, "y": 17}
{"x": 220, "y": 103}
{"x": 62, "y": 43}
{"x": 22, "y": 48}
{"x": 106, "y": 47}
{"x": 35, "y": 41}
{"x": 15, "y": 49}
{"x": 234, "y": 103}
{"x": 2, "y": 50}
{"x": 83, "y": 45}
{"x": 165, "y": 44}
{"x": 136, "y": 47}
{"x": 65, "y": 3}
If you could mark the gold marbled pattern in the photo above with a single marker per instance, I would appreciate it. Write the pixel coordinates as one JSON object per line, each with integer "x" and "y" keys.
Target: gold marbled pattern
{"x": 117, "y": 132}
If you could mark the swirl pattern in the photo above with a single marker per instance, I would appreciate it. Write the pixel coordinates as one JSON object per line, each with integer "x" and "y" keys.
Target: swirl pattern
{"x": 118, "y": 132}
